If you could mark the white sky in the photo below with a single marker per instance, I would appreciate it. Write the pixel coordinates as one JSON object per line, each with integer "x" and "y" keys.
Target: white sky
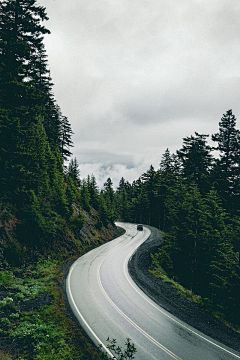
{"x": 136, "y": 76}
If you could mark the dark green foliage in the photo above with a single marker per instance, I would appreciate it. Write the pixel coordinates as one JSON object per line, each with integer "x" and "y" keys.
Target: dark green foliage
{"x": 13, "y": 253}
{"x": 120, "y": 354}
{"x": 21, "y": 43}
{"x": 65, "y": 137}
{"x": 85, "y": 196}
{"x": 109, "y": 200}
{"x": 122, "y": 200}
{"x": 194, "y": 198}
{"x": 93, "y": 191}
{"x": 104, "y": 216}
{"x": 226, "y": 171}
{"x": 35, "y": 137}
{"x": 74, "y": 172}
{"x": 196, "y": 160}
{"x": 149, "y": 184}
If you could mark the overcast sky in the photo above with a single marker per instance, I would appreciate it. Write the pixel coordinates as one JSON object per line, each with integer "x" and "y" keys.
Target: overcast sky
{"x": 136, "y": 76}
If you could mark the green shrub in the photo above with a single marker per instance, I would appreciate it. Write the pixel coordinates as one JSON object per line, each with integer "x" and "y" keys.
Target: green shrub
{"x": 30, "y": 291}
{"x": 7, "y": 304}
{"x": 5, "y": 321}
{"x": 6, "y": 277}
{"x": 4, "y": 356}
{"x": 33, "y": 333}
{"x": 120, "y": 354}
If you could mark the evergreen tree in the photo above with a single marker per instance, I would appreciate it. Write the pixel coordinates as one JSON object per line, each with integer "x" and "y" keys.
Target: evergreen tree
{"x": 85, "y": 196}
{"x": 196, "y": 160}
{"x": 221, "y": 277}
{"x": 148, "y": 179}
{"x": 108, "y": 193}
{"x": 93, "y": 191}
{"x": 65, "y": 137}
{"x": 227, "y": 169}
{"x": 21, "y": 33}
{"x": 139, "y": 203}
{"x": 74, "y": 172}
{"x": 103, "y": 210}
{"x": 167, "y": 178}
{"x": 122, "y": 202}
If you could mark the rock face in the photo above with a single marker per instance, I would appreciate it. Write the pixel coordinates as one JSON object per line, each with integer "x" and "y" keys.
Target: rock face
{"x": 167, "y": 297}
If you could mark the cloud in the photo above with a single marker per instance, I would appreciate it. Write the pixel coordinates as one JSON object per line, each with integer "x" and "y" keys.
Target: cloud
{"x": 115, "y": 172}
{"x": 135, "y": 77}
{"x": 107, "y": 158}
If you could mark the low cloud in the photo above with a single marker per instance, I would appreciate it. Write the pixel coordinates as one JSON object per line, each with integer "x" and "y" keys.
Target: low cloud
{"x": 115, "y": 172}
{"x": 106, "y": 158}
{"x": 135, "y": 77}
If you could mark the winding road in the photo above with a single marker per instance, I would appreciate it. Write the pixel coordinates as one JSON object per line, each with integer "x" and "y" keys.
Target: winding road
{"x": 107, "y": 303}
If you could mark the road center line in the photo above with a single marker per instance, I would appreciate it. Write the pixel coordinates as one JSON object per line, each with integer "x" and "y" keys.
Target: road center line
{"x": 162, "y": 347}
{"x": 165, "y": 313}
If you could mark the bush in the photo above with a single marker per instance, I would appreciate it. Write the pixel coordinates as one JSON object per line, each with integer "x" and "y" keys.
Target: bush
{"x": 118, "y": 352}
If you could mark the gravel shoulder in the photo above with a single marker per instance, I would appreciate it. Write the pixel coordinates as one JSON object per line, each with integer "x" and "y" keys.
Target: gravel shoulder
{"x": 166, "y": 296}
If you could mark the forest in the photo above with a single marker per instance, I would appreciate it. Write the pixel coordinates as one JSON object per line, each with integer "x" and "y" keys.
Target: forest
{"x": 48, "y": 215}
{"x": 37, "y": 188}
{"x": 193, "y": 198}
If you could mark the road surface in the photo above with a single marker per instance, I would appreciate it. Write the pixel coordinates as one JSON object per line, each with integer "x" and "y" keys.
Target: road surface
{"x": 108, "y": 303}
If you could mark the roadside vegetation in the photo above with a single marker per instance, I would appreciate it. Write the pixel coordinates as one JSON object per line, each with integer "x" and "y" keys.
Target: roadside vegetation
{"x": 188, "y": 294}
{"x": 194, "y": 199}
{"x": 49, "y": 215}
{"x": 36, "y": 322}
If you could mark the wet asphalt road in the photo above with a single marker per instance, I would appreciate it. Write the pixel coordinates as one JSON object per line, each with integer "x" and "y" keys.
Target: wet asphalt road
{"x": 108, "y": 303}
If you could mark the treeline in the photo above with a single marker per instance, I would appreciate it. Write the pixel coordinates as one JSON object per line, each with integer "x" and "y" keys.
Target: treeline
{"x": 39, "y": 196}
{"x": 194, "y": 198}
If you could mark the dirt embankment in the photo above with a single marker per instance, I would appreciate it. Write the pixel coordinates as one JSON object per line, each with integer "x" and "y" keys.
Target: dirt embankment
{"x": 168, "y": 298}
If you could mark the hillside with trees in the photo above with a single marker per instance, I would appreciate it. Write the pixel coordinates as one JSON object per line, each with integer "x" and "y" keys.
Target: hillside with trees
{"x": 40, "y": 197}
{"x": 48, "y": 215}
{"x": 194, "y": 199}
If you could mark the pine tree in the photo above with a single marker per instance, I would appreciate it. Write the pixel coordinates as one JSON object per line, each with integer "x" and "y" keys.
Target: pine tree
{"x": 196, "y": 160}
{"x": 21, "y": 33}
{"x": 221, "y": 277}
{"x": 85, "y": 196}
{"x": 109, "y": 192}
{"x": 103, "y": 210}
{"x": 65, "y": 137}
{"x": 227, "y": 169}
{"x": 74, "y": 172}
{"x": 166, "y": 178}
{"x": 148, "y": 179}
{"x": 122, "y": 203}
{"x": 93, "y": 191}
{"x": 34, "y": 136}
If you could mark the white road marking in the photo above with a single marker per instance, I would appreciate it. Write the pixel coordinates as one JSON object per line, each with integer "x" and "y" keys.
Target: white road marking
{"x": 79, "y": 313}
{"x": 126, "y": 317}
{"x": 162, "y": 347}
{"x": 165, "y": 313}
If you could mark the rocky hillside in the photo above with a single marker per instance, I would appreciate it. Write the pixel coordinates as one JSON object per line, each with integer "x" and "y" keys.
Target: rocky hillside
{"x": 35, "y": 320}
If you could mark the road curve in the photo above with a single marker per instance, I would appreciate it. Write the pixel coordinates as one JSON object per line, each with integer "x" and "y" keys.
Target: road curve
{"x": 107, "y": 303}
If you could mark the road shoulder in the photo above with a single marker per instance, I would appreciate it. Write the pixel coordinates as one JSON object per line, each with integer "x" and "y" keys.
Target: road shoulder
{"x": 167, "y": 297}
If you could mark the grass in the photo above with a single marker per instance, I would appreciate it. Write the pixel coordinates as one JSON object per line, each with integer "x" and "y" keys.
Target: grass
{"x": 186, "y": 293}
{"x": 160, "y": 273}
{"x": 4, "y": 356}
{"x": 42, "y": 331}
